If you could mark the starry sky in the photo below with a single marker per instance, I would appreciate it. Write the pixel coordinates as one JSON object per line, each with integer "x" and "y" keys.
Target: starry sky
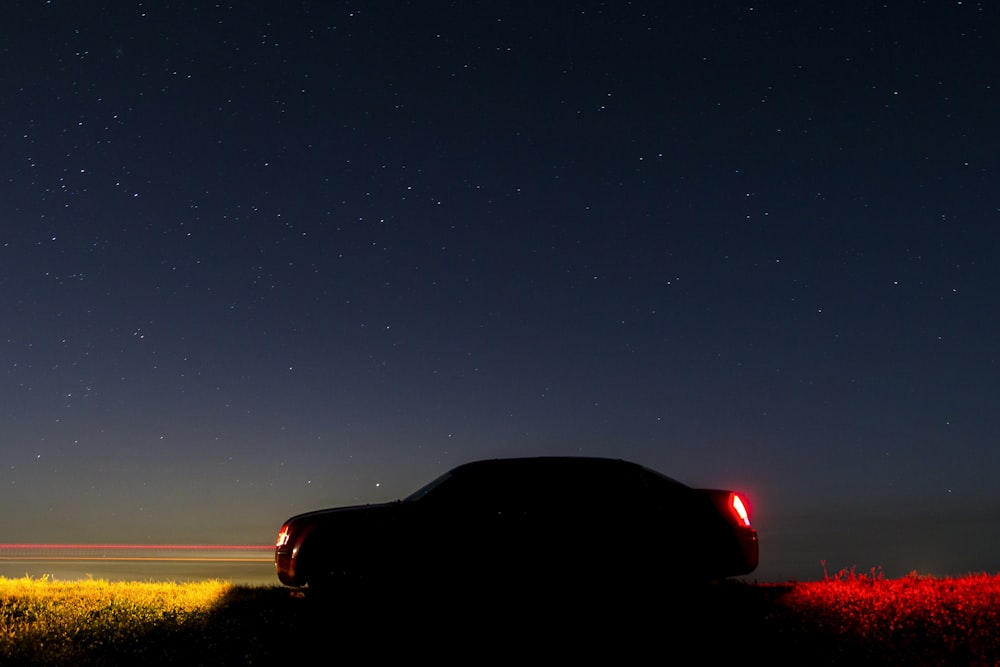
{"x": 259, "y": 258}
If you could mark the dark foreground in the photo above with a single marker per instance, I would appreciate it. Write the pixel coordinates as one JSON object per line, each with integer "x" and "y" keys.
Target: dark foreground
{"x": 824, "y": 623}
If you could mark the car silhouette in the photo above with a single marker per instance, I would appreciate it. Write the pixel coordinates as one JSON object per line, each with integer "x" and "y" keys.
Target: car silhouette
{"x": 534, "y": 519}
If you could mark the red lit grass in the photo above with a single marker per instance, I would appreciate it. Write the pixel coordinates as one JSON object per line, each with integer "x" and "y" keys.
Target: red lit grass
{"x": 922, "y": 619}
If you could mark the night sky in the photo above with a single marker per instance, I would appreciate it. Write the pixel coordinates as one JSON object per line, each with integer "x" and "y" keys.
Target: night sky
{"x": 262, "y": 258}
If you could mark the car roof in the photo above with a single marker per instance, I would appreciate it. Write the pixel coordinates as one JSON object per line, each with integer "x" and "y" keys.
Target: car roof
{"x": 587, "y": 465}
{"x": 545, "y": 461}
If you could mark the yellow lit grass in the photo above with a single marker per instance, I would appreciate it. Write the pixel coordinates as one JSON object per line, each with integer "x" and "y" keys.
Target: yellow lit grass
{"x": 46, "y": 621}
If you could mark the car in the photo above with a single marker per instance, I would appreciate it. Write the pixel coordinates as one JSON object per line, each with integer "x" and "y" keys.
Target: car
{"x": 530, "y": 519}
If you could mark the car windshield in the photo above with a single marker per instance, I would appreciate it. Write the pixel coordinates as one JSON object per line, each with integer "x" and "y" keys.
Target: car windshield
{"x": 427, "y": 488}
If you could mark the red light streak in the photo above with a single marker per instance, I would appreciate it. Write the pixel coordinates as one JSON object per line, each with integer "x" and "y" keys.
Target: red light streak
{"x": 193, "y": 547}
{"x": 231, "y": 553}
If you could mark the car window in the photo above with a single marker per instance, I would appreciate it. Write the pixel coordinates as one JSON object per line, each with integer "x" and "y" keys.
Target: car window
{"x": 558, "y": 486}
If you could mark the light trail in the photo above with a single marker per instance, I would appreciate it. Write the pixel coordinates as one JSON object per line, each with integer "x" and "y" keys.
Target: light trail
{"x": 163, "y": 559}
{"x": 219, "y": 553}
{"x": 136, "y": 546}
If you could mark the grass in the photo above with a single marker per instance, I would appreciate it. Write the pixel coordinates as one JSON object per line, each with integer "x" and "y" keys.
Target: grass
{"x": 48, "y": 622}
{"x": 848, "y": 618}
{"x": 917, "y": 619}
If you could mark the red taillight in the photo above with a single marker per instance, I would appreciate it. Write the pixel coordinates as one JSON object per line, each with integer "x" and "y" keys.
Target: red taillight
{"x": 740, "y": 509}
{"x": 282, "y": 537}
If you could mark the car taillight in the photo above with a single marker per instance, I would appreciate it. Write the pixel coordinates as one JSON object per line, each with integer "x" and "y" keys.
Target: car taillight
{"x": 739, "y": 509}
{"x": 283, "y": 537}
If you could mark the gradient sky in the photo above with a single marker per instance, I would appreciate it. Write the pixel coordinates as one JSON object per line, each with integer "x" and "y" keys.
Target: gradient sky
{"x": 269, "y": 257}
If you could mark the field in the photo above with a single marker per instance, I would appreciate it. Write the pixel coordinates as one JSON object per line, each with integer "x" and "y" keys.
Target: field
{"x": 846, "y": 619}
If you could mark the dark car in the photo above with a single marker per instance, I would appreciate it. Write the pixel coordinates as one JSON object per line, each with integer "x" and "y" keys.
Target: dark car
{"x": 526, "y": 519}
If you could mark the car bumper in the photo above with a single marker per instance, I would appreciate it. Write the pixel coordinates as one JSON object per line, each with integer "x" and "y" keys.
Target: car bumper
{"x": 750, "y": 551}
{"x": 284, "y": 565}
